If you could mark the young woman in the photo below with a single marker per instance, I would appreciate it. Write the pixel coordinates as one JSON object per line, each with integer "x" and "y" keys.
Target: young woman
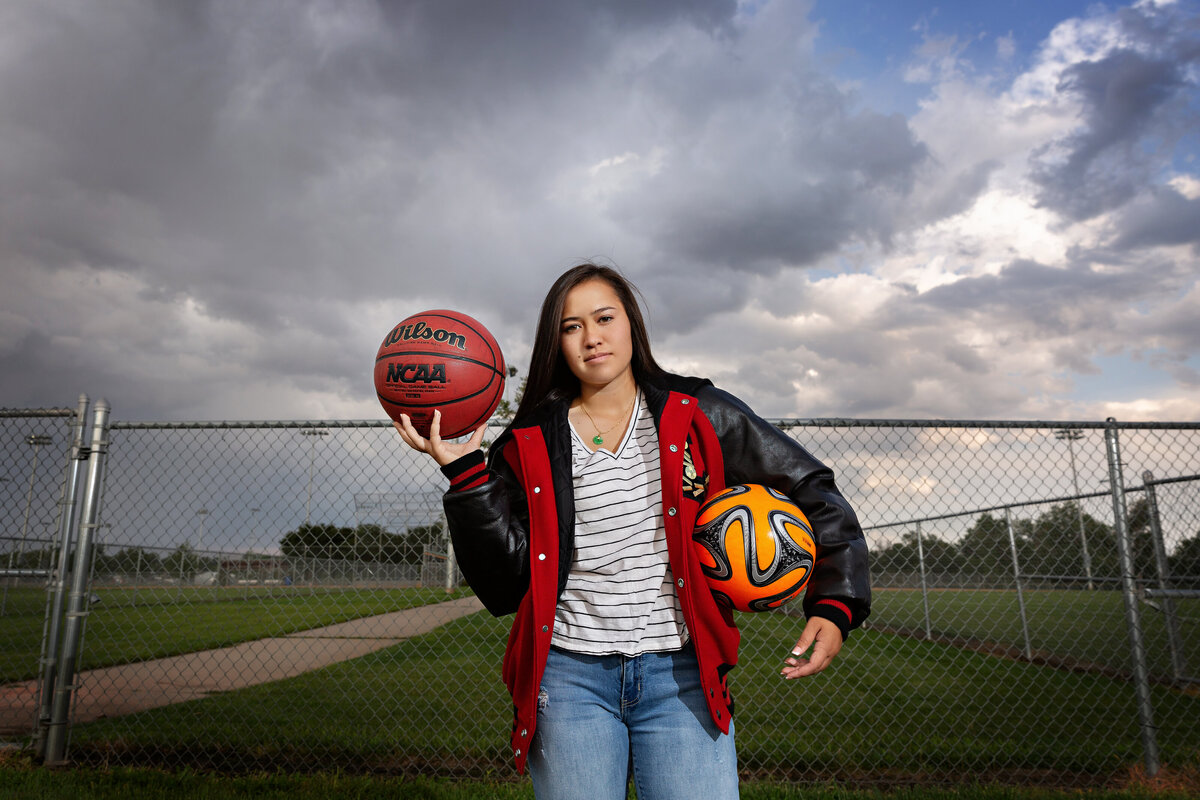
{"x": 579, "y": 520}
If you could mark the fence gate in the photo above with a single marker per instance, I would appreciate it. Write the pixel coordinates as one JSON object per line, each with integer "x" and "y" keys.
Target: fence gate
{"x": 1175, "y": 597}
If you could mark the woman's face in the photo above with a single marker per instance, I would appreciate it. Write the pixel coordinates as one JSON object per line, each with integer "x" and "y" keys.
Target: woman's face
{"x": 595, "y": 335}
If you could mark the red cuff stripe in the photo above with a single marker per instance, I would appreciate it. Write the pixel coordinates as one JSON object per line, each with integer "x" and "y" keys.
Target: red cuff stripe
{"x": 475, "y": 475}
{"x": 840, "y": 606}
{"x": 478, "y": 482}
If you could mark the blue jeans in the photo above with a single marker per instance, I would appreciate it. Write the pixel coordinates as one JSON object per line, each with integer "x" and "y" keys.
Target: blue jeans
{"x": 604, "y": 719}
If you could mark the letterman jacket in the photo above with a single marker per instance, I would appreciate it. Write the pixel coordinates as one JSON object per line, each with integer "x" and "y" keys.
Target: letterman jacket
{"x": 511, "y": 519}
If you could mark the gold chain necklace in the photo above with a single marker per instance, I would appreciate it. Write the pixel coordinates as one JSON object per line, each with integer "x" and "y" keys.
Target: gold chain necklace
{"x": 598, "y": 439}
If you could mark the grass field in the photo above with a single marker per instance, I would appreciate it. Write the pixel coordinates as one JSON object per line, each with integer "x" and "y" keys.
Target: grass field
{"x": 883, "y": 711}
{"x": 1080, "y": 628}
{"x": 894, "y": 709}
{"x": 125, "y": 626}
{"x": 19, "y": 782}
{"x": 1076, "y": 627}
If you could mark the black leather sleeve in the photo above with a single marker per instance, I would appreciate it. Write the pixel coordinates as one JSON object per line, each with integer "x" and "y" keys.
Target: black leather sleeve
{"x": 489, "y": 525}
{"x": 756, "y": 451}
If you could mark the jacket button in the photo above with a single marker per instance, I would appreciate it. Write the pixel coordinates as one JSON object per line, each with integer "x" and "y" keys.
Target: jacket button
{"x": 524, "y": 732}
{"x": 518, "y": 754}
{"x": 680, "y": 582}
{"x": 545, "y": 628}
{"x": 674, "y": 449}
{"x": 541, "y": 556}
{"x": 671, "y": 511}
{"x": 685, "y": 401}
{"x": 537, "y": 490}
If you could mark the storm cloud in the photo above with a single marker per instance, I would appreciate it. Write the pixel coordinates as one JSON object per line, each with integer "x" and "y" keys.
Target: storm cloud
{"x": 217, "y": 209}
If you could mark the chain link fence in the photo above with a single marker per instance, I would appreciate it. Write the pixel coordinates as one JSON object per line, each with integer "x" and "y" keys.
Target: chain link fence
{"x": 282, "y": 595}
{"x": 35, "y": 447}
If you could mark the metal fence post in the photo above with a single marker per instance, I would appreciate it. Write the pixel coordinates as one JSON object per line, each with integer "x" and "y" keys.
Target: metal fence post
{"x": 1141, "y": 675}
{"x": 56, "y": 589}
{"x": 450, "y": 562}
{"x": 1012, "y": 546}
{"x": 1178, "y": 669}
{"x": 56, "y": 736}
{"x": 924, "y": 584}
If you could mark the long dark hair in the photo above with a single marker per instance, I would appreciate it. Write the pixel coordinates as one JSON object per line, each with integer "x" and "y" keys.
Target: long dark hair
{"x": 549, "y": 378}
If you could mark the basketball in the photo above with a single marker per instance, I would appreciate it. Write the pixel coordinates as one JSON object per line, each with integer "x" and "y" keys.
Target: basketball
{"x": 440, "y": 360}
{"x": 755, "y": 547}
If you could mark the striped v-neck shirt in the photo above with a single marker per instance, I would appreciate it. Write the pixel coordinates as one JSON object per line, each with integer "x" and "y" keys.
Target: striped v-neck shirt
{"x": 620, "y": 595}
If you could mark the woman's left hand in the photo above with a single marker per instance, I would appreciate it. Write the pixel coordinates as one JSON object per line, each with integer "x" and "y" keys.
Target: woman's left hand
{"x": 826, "y": 641}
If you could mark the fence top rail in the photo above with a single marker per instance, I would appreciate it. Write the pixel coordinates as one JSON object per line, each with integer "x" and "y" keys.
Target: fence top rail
{"x": 1181, "y": 594}
{"x": 785, "y": 423}
{"x": 11, "y": 413}
{"x": 1006, "y": 506}
{"x": 252, "y": 424}
{"x": 1162, "y": 481}
{"x": 849, "y": 422}
{"x": 1026, "y": 503}
{"x": 1068, "y": 578}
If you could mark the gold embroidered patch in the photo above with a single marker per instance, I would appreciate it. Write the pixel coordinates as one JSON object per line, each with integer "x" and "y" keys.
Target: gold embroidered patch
{"x": 695, "y": 485}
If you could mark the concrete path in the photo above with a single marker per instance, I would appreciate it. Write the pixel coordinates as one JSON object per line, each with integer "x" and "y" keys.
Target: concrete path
{"x": 124, "y": 689}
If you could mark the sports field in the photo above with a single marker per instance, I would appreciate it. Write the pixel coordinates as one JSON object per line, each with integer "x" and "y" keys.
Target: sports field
{"x": 881, "y": 711}
{"x": 127, "y": 625}
{"x": 1069, "y": 628}
{"x": 895, "y": 709}
{"x": 18, "y": 782}
{"x": 1081, "y": 629}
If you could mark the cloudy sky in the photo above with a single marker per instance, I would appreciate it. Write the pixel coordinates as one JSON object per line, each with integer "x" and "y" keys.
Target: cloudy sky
{"x": 216, "y": 210}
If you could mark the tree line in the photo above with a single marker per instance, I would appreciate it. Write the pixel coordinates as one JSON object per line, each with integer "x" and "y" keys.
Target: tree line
{"x": 366, "y": 543}
{"x": 363, "y": 543}
{"x": 1048, "y": 544}
{"x": 183, "y": 560}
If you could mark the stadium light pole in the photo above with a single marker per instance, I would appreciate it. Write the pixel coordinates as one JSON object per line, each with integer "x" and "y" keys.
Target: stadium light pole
{"x": 36, "y": 441}
{"x": 315, "y": 433}
{"x": 1072, "y": 435}
{"x": 254, "y": 523}
{"x": 246, "y": 555}
{"x": 202, "y": 513}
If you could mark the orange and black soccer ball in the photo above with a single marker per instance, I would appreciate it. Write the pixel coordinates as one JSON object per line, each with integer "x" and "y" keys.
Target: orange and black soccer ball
{"x": 755, "y": 546}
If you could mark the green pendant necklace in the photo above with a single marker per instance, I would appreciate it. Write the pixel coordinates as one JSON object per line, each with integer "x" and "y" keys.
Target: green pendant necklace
{"x": 598, "y": 439}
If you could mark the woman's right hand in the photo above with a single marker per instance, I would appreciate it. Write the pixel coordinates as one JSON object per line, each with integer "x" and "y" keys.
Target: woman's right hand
{"x": 443, "y": 452}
